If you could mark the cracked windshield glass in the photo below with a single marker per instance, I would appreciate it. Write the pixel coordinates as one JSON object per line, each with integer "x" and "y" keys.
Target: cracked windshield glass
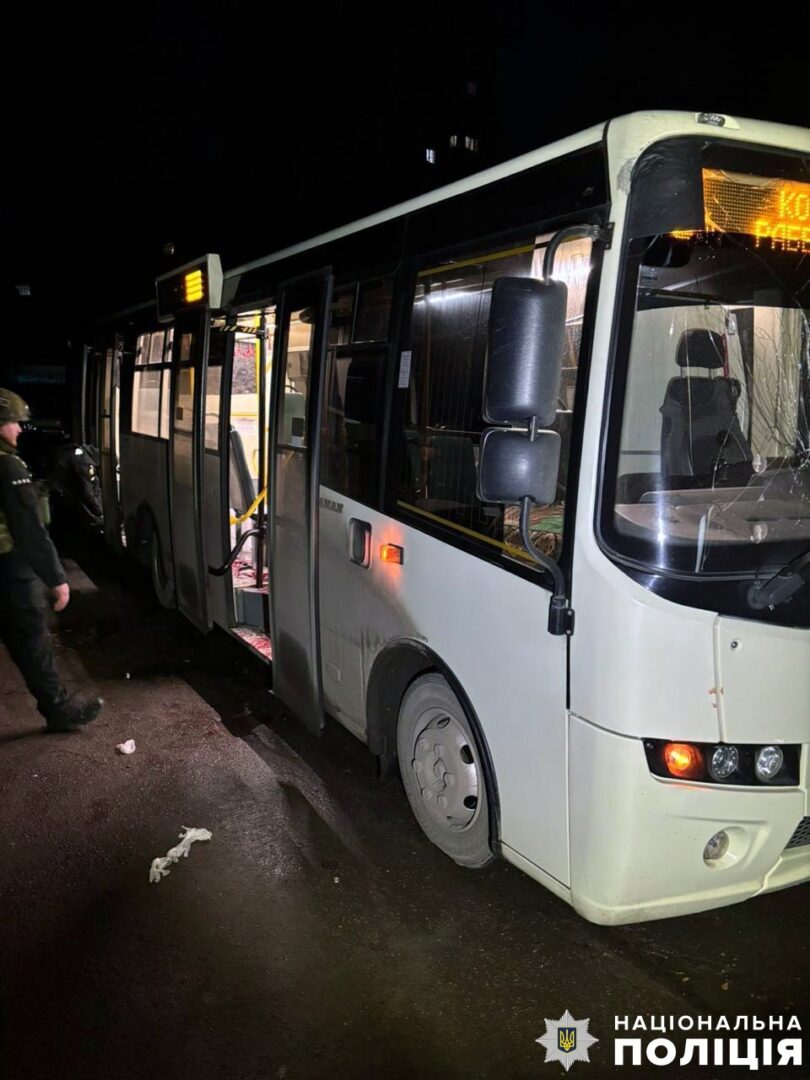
{"x": 713, "y": 472}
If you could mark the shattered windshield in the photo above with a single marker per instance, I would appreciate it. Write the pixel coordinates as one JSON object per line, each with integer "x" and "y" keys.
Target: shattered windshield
{"x": 712, "y": 465}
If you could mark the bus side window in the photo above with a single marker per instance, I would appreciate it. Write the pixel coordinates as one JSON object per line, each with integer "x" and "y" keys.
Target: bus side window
{"x": 355, "y": 378}
{"x": 146, "y": 384}
{"x": 443, "y": 414}
{"x": 151, "y": 381}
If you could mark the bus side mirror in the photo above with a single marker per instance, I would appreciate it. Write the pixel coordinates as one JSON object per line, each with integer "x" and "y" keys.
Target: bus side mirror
{"x": 526, "y": 341}
{"x": 512, "y": 468}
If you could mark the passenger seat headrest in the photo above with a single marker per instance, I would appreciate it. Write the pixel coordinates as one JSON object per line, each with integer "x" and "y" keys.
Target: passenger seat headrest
{"x": 701, "y": 349}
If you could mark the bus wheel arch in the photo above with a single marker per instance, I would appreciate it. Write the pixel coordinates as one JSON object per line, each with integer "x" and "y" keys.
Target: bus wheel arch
{"x": 408, "y": 681}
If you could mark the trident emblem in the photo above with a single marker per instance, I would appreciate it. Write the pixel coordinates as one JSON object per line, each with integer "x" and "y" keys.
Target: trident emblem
{"x": 567, "y": 1039}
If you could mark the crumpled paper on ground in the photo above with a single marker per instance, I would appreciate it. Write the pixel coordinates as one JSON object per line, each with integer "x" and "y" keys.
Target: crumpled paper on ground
{"x": 127, "y": 747}
{"x": 160, "y": 866}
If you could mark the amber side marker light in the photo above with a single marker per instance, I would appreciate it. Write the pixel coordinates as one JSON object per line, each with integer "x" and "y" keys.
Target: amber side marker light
{"x": 390, "y": 553}
{"x": 684, "y": 761}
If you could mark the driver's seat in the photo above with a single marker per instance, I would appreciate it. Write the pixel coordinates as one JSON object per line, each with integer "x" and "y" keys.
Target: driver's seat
{"x": 700, "y": 432}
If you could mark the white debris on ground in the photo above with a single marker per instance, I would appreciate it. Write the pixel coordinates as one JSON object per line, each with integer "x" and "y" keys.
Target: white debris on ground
{"x": 160, "y": 866}
{"x": 127, "y": 747}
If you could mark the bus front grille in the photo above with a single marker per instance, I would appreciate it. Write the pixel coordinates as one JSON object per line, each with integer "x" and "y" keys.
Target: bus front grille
{"x": 801, "y": 834}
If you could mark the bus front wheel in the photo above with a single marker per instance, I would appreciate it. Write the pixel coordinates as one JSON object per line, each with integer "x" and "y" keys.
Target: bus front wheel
{"x": 442, "y": 773}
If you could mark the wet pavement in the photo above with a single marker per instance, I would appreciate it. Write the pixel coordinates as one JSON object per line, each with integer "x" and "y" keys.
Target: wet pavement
{"x": 317, "y": 934}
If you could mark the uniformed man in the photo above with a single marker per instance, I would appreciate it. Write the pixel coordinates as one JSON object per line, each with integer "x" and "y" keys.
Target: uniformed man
{"x": 29, "y": 565}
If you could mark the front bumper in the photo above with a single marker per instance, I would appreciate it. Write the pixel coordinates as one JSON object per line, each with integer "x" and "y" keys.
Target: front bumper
{"x": 637, "y": 840}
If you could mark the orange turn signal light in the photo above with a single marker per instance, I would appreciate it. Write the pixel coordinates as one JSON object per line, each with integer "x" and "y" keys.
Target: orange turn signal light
{"x": 684, "y": 761}
{"x": 390, "y": 553}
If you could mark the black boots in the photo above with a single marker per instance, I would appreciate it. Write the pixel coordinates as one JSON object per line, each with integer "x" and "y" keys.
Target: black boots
{"x": 73, "y": 715}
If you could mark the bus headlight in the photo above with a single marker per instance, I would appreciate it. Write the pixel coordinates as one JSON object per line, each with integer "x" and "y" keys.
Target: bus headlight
{"x": 732, "y": 764}
{"x": 723, "y": 762}
{"x": 768, "y": 763}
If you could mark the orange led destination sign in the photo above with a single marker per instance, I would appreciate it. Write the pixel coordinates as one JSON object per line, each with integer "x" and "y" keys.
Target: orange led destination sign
{"x": 775, "y": 212}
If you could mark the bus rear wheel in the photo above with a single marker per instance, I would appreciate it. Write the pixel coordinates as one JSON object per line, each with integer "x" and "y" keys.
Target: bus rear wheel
{"x": 161, "y": 582}
{"x": 442, "y": 772}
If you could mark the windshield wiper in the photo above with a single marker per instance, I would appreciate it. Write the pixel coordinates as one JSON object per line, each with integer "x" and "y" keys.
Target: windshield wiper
{"x": 784, "y": 584}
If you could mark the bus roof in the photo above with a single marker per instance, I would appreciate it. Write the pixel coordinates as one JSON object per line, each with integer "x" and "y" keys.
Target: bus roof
{"x": 568, "y": 145}
{"x": 647, "y": 127}
{"x": 639, "y": 129}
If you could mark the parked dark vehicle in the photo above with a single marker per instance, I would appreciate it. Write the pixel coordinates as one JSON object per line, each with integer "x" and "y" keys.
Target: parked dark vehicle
{"x": 74, "y": 484}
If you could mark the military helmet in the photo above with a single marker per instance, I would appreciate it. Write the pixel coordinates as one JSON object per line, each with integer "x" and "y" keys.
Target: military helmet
{"x": 12, "y": 408}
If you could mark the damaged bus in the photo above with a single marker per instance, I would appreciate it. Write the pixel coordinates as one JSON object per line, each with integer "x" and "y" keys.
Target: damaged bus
{"x": 513, "y": 481}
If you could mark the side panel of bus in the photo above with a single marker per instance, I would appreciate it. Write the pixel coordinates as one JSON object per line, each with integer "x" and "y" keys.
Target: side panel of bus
{"x": 461, "y": 593}
{"x": 489, "y": 628}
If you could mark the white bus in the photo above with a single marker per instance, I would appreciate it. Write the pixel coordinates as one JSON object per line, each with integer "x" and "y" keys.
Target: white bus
{"x": 513, "y": 481}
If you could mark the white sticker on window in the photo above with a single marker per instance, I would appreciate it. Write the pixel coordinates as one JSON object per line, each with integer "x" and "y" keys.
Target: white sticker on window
{"x": 404, "y": 369}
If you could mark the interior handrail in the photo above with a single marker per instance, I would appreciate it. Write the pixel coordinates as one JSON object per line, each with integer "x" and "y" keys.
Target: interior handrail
{"x": 250, "y": 510}
{"x": 220, "y": 571}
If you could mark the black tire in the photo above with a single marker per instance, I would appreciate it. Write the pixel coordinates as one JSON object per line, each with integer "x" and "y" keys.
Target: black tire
{"x": 442, "y": 772}
{"x": 161, "y": 582}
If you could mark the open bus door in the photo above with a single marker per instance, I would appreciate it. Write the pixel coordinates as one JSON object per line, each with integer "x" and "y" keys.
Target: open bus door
{"x": 300, "y": 349}
{"x": 186, "y": 446}
{"x": 186, "y": 296}
{"x": 109, "y": 428}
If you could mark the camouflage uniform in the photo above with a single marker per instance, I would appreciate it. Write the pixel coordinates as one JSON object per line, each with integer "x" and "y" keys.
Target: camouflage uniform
{"x": 28, "y": 564}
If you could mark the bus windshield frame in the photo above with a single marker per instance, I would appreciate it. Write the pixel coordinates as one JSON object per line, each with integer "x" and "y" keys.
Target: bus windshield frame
{"x": 706, "y": 462}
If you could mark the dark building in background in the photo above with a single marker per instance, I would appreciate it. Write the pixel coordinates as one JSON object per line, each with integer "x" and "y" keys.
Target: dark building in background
{"x": 455, "y": 136}
{"x": 36, "y": 352}
{"x": 245, "y": 131}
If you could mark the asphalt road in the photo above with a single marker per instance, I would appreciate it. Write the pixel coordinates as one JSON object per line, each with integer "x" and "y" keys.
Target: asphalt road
{"x": 317, "y": 934}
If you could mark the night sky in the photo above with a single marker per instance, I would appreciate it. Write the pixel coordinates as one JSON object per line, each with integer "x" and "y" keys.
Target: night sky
{"x": 240, "y": 130}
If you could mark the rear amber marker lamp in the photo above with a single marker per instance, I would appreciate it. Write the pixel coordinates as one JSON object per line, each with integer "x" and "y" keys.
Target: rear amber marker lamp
{"x": 392, "y": 554}
{"x": 193, "y": 286}
{"x": 684, "y": 761}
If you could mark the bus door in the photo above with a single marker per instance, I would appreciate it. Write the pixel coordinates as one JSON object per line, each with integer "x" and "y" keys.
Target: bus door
{"x": 246, "y": 445}
{"x": 187, "y": 440}
{"x": 109, "y": 429}
{"x": 293, "y": 509}
{"x": 214, "y": 458}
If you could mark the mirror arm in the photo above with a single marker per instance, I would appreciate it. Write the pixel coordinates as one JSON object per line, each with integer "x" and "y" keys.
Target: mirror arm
{"x": 535, "y": 552}
{"x": 560, "y": 614}
{"x": 571, "y": 232}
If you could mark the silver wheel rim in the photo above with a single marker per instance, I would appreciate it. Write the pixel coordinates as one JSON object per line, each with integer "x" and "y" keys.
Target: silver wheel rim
{"x": 446, "y": 772}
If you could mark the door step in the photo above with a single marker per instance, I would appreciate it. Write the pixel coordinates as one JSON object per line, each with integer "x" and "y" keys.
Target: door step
{"x": 244, "y": 574}
{"x": 249, "y": 606}
{"x": 255, "y": 639}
